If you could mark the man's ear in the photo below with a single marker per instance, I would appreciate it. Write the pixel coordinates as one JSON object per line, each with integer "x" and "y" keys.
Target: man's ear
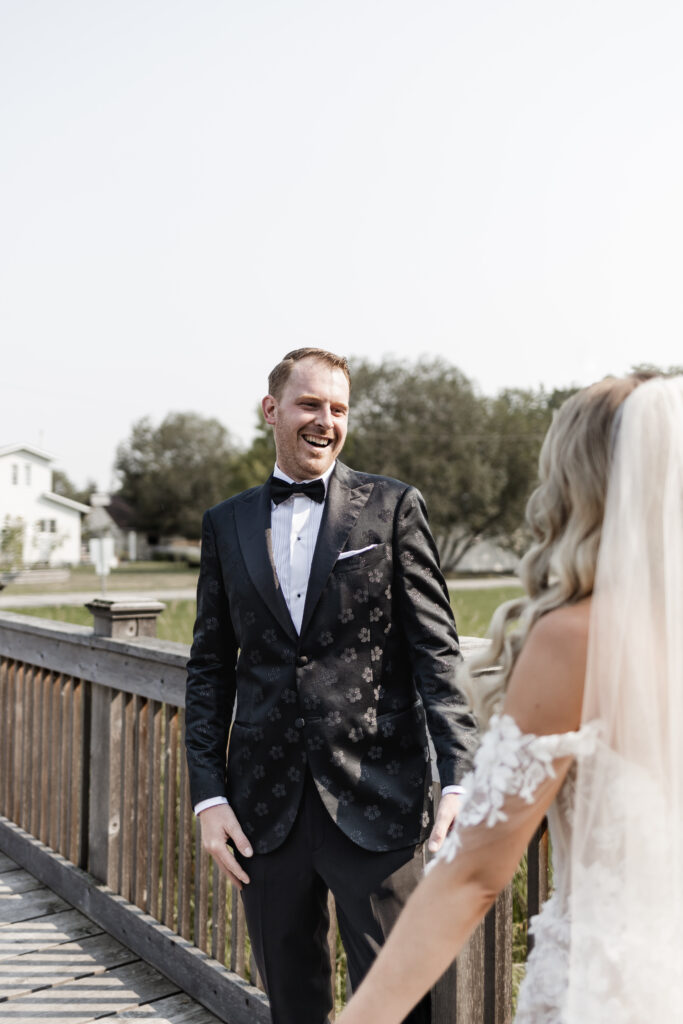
{"x": 269, "y": 406}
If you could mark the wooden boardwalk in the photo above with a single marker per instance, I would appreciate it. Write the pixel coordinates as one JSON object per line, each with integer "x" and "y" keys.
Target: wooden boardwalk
{"x": 58, "y": 967}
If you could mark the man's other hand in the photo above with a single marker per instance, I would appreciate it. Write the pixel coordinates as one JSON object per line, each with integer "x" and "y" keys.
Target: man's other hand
{"x": 446, "y": 813}
{"x": 219, "y": 827}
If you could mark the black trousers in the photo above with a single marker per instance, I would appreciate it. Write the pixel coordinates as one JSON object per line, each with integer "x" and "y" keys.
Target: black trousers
{"x": 286, "y": 909}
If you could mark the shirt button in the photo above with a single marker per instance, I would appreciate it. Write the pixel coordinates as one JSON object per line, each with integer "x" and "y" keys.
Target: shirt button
{"x": 299, "y": 723}
{"x": 301, "y": 661}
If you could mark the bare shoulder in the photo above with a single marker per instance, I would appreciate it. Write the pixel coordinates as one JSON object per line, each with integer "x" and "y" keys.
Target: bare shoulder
{"x": 545, "y": 692}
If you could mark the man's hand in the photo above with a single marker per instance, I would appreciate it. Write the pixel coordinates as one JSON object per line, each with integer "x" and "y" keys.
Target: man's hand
{"x": 219, "y": 827}
{"x": 446, "y": 813}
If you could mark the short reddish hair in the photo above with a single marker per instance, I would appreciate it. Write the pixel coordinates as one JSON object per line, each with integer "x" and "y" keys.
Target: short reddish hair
{"x": 278, "y": 377}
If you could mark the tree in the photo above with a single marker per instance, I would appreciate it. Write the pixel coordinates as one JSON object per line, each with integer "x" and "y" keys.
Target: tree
{"x": 255, "y": 465}
{"x": 12, "y": 543}
{"x": 171, "y": 473}
{"x": 61, "y": 484}
{"x": 474, "y": 458}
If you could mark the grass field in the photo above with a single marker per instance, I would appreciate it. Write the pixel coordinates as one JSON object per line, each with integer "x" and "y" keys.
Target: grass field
{"x": 128, "y": 576}
{"x": 472, "y": 609}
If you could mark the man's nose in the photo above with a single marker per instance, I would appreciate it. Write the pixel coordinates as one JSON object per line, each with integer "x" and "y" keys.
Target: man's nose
{"x": 324, "y": 417}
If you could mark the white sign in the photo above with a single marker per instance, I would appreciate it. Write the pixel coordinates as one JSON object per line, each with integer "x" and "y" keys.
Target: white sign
{"x": 101, "y": 554}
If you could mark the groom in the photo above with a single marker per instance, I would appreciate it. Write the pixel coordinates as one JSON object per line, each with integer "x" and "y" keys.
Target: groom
{"x": 325, "y": 635}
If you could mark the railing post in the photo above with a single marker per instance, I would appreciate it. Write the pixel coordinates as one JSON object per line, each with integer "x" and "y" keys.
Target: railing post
{"x": 125, "y": 619}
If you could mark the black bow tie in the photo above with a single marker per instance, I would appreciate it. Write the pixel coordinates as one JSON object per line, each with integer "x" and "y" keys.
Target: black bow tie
{"x": 280, "y": 490}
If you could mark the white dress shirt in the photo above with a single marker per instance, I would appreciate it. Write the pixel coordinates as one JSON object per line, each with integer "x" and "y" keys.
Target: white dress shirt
{"x": 295, "y": 524}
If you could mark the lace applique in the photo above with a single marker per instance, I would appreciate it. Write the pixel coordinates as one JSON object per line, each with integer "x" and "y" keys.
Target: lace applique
{"x": 509, "y": 763}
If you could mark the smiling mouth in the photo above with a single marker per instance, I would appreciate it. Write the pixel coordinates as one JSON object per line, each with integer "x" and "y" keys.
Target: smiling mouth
{"x": 317, "y": 442}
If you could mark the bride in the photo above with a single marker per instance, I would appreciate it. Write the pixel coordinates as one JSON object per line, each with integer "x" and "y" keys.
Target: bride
{"x": 584, "y": 704}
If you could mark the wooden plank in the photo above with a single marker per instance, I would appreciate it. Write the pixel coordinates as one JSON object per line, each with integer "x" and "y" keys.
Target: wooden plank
{"x": 14, "y": 882}
{"x": 170, "y": 826}
{"x": 44, "y": 932}
{"x": 63, "y": 963}
{"x": 66, "y": 707}
{"x": 154, "y": 875}
{"x": 129, "y": 798}
{"x": 78, "y": 787}
{"x": 179, "y": 1009}
{"x": 7, "y": 864}
{"x": 537, "y": 875}
{"x": 221, "y": 991}
{"x": 220, "y": 915}
{"x": 469, "y": 1003}
{"x": 54, "y": 760}
{"x": 78, "y": 1001}
{"x": 28, "y": 905}
{"x": 114, "y": 802}
{"x": 498, "y": 960}
{"x": 5, "y": 774}
{"x": 36, "y": 751}
{"x": 238, "y": 934}
{"x": 141, "y": 894}
{"x": 24, "y": 818}
{"x": 332, "y": 946}
{"x": 46, "y": 686}
{"x": 15, "y": 763}
{"x": 201, "y": 897}
{"x": 185, "y": 832}
{"x": 97, "y": 758}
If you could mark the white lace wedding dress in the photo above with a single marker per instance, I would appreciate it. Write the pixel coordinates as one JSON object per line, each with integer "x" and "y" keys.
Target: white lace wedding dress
{"x": 512, "y": 772}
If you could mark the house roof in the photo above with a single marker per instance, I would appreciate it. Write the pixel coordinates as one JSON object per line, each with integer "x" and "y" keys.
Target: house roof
{"x": 59, "y": 499}
{"x": 10, "y": 449}
{"x": 121, "y": 512}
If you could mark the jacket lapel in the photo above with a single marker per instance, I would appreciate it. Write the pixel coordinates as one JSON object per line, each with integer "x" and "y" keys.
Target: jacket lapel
{"x": 252, "y": 518}
{"x": 343, "y": 505}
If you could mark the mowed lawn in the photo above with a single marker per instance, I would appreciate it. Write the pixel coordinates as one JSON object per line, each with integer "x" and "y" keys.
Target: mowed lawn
{"x": 473, "y": 609}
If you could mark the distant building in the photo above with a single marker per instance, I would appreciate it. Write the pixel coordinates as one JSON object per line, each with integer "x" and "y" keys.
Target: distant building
{"x": 52, "y": 523}
{"x": 111, "y": 516}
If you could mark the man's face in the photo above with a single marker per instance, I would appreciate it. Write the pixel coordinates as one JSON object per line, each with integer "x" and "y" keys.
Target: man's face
{"x": 309, "y": 419}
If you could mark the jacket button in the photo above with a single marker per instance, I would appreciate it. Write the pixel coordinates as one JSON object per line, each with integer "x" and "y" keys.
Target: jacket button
{"x": 299, "y": 723}
{"x": 301, "y": 661}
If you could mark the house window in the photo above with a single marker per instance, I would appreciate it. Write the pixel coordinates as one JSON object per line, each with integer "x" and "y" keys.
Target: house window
{"x": 27, "y": 473}
{"x": 47, "y": 525}
{"x": 15, "y": 473}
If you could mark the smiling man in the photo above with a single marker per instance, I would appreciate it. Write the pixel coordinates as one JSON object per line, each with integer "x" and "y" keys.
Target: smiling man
{"x": 325, "y": 635}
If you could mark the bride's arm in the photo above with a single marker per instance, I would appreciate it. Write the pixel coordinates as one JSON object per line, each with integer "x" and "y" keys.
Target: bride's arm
{"x": 544, "y": 697}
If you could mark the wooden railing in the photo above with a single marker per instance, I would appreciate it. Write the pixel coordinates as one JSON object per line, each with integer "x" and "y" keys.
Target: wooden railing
{"x": 92, "y": 765}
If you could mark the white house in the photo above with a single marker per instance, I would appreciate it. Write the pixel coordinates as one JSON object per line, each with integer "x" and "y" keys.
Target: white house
{"x": 52, "y": 524}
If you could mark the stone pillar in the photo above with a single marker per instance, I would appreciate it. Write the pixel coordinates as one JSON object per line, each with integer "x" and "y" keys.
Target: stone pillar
{"x": 125, "y": 619}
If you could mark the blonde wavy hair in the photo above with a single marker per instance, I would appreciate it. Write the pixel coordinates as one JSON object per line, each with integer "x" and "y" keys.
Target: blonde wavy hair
{"x": 565, "y": 514}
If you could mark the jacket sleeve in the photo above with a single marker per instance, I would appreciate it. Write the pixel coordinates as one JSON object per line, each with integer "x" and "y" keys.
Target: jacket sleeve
{"x": 428, "y": 625}
{"x": 210, "y": 691}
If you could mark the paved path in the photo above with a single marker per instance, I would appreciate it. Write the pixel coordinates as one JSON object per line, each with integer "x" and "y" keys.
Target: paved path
{"x": 57, "y": 966}
{"x": 15, "y": 600}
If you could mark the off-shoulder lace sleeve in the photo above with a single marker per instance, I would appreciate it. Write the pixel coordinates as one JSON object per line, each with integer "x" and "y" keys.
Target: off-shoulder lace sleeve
{"x": 513, "y": 773}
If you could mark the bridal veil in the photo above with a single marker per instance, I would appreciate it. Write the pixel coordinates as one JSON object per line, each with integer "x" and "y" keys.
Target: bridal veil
{"x": 626, "y": 957}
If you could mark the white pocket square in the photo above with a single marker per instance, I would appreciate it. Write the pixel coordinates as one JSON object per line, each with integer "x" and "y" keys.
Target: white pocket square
{"x": 359, "y": 551}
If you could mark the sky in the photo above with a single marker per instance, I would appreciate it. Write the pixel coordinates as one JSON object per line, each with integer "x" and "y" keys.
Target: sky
{"x": 188, "y": 190}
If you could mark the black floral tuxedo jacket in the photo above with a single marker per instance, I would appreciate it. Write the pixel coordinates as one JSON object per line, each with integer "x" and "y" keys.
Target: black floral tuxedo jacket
{"x": 352, "y": 695}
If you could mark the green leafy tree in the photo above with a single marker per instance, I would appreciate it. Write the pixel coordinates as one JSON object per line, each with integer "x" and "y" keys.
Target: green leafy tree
{"x": 474, "y": 458}
{"x": 255, "y": 465}
{"x": 12, "y": 543}
{"x": 61, "y": 484}
{"x": 172, "y": 472}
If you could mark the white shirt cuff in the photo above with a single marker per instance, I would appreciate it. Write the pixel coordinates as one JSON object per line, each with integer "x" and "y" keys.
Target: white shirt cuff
{"x": 448, "y": 789}
{"x": 213, "y": 801}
